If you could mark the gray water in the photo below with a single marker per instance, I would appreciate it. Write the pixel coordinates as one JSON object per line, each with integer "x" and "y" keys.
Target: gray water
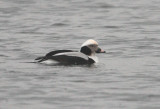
{"x": 126, "y": 77}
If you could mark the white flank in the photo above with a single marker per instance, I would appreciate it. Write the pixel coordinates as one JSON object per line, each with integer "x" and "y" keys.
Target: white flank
{"x": 49, "y": 62}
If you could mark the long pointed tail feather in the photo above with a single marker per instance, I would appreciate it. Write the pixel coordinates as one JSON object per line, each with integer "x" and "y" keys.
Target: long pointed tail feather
{"x": 40, "y": 59}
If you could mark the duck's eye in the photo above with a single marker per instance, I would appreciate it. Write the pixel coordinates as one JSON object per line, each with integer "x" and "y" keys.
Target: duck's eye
{"x": 92, "y": 45}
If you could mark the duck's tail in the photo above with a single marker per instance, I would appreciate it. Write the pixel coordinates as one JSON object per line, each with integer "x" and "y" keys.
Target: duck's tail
{"x": 40, "y": 59}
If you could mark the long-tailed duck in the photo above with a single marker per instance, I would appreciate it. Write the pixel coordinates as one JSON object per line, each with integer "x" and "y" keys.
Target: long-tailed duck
{"x": 86, "y": 55}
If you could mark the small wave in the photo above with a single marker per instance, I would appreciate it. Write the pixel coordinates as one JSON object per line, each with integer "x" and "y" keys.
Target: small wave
{"x": 59, "y": 24}
{"x": 110, "y": 27}
{"x": 106, "y": 6}
{"x": 1, "y": 55}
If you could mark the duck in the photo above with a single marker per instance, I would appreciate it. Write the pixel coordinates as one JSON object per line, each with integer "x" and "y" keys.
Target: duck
{"x": 86, "y": 55}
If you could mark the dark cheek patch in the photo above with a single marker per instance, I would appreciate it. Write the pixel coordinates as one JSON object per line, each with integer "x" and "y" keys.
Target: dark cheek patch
{"x": 86, "y": 50}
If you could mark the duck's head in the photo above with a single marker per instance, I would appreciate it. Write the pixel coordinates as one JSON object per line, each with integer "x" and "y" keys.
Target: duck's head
{"x": 91, "y": 47}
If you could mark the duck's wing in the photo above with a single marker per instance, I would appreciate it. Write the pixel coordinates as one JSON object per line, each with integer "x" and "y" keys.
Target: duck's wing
{"x": 52, "y": 53}
{"x": 58, "y": 51}
{"x": 76, "y": 58}
{"x": 68, "y": 60}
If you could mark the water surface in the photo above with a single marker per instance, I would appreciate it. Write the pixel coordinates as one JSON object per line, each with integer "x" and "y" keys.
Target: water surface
{"x": 126, "y": 77}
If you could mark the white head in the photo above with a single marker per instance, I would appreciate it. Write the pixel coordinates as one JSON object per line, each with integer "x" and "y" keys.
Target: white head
{"x": 89, "y": 42}
{"x": 90, "y": 47}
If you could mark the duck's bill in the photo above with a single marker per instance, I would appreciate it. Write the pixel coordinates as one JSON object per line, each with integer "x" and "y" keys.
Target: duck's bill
{"x": 99, "y": 50}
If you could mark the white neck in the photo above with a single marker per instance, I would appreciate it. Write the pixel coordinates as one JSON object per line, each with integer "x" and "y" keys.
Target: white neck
{"x": 94, "y": 57}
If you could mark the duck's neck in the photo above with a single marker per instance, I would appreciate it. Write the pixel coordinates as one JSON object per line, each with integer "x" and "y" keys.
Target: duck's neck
{"x": 94, "y": 57}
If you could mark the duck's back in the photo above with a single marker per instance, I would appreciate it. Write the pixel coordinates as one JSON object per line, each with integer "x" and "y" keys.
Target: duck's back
{"x": 76, "y": 58}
